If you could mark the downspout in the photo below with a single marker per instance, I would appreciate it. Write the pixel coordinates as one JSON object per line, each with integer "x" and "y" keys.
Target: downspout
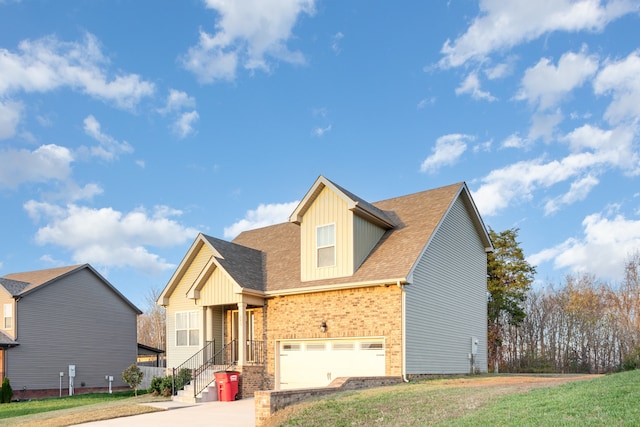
{"x": 404, "y": 332}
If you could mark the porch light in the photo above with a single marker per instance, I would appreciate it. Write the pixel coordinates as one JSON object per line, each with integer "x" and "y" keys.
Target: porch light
{"x": 323, "y": 327}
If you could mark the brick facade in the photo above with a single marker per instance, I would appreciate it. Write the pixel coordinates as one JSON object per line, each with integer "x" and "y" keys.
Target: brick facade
{"x": 352, "y": 313}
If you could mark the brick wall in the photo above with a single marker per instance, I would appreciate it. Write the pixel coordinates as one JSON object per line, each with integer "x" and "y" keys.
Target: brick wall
{"x": 269, "y": 402}
{"x": 362, "y": 312}
{"x": 252, "y": 379}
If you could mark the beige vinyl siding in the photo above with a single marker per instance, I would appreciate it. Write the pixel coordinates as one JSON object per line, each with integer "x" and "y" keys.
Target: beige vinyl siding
{"x": 446, "y": 302}
{"x": 76, "y": 320}
{"x": 218, "y": 327}
{"x": 328, "y": 208}
{"x": 5, "y": 298}
{"x": 365, "y": 236}
{"x": 179, "y": 302}
{"x": 219, "y": 289}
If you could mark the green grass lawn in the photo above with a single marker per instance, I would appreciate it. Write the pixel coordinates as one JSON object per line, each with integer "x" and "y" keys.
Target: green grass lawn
{"x": 606, "y": 401}
{"x": 475, "y": 401}
{"x": 17, "y": 409}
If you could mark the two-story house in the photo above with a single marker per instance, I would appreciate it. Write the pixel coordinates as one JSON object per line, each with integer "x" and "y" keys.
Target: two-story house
{"x": 64, "y": 331}
{"x": 344, "y": 288}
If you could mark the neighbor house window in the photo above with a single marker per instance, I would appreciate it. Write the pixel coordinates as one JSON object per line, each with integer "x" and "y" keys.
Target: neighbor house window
{"x": 326, "y": 245}
{"x": 8, "y": 316}
{"x": 187, "y": 328}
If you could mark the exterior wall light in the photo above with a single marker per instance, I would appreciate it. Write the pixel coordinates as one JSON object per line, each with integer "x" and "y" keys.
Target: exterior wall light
{"x": 323, "y": 327}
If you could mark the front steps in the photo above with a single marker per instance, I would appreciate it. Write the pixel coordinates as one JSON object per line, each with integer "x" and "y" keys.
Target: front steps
{"x": 185, "y": 395}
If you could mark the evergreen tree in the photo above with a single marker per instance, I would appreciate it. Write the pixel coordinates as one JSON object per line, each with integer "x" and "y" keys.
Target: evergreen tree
{"x": 509, "y": 278}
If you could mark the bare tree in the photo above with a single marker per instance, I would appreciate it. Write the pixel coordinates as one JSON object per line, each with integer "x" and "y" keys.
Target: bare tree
{"x": 151, "y": 323}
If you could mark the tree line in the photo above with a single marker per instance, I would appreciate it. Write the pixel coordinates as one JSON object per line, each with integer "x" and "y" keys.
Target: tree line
{"x": 583, "y": 325}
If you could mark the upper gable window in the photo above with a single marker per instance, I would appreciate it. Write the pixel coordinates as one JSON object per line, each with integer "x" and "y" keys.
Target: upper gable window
{"x": 8, "y": 316}
{"x": 326, "y": 245}
{"x": 187, "y": 329}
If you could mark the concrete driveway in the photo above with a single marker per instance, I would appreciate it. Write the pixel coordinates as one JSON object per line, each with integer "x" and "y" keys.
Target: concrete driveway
{"x": 240, "y": 413}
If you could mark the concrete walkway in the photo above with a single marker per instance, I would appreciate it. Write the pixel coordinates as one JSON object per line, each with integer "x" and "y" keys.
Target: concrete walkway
{"x": 240, "y": 413}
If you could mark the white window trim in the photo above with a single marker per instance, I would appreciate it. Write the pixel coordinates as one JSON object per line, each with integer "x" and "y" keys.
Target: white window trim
{"x": 189, "y": 328}
{"x": 318, "y": 247}
{"x": 7, "y": 309}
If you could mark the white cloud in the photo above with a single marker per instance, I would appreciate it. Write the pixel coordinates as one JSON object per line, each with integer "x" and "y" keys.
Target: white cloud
{"x": 426, "y": 101}
{"x": 471, "y": 86}
{"x": 109, "y": 147}
{"x": 320, "y": 131}
{"x": 579, "y": 190}
{"x": 177, "y": 100}
{"x": 47, "y": 64}
{"x": 545, "y": 84}
{"x": 10, "y": 115}
{"x": 447, "y": 151}
{"x": 504, "y": 24}
{"x": 108, "y": 238}
{"x": 183, "y": 121}
{"x": 593, "y": 151}
{"x": 335, "y": 42}
{"x": 515, "y": 141}
{"x": 263, "y": 216}
{"x": 47, "y": 162}
{"x": 544, "y": 126}
{"x": 606, "y": 244}
{"x": 621, "y": 79}
{"x": 248, "y": 33}
{"x": 183, "y": 126}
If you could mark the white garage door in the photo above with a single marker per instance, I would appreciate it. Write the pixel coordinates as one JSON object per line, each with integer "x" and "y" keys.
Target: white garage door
{"x": 316, "y": 363}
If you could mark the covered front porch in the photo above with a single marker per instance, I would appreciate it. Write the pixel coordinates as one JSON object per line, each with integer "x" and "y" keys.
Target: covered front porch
{"x": 232, "y": 340}
{"x": 215, "y": 319}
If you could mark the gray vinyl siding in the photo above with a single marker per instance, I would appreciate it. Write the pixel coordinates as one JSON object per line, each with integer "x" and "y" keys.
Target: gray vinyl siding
{"x": 446, "y": 303}
{"x": 365, "y": 236}
{"x": 76, "y": 320}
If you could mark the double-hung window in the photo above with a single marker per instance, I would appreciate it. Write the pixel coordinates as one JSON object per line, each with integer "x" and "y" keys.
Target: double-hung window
{"x": 187, "y": 328}
{"x": 8, "y": 316}
{"x": 326, "y": 245}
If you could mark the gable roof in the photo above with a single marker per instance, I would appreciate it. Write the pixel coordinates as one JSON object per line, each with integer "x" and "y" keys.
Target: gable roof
{"x": 268, "y": 259}
{"x": 243, "y": 264}
{"x": 20, "y": 285}
{"x": 359, "y": 206}
{"x": 416, "y": 218}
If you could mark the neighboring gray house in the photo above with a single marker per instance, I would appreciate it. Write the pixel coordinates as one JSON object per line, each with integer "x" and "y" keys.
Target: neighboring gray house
{"x": 344, "y": 288}
{"x": 59, "y": 317}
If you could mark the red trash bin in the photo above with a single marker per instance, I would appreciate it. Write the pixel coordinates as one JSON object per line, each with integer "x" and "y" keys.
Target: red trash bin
{"x": 227, "y": 382}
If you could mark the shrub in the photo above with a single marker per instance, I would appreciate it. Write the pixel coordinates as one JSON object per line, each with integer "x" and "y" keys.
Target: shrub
{"x": 163, "y": 386}
{"x": 133, "y": 376}
{"x": 6, "y": 392}
{"x": 183, "y": 377}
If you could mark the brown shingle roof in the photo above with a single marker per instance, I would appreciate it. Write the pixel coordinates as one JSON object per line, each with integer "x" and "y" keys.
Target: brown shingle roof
{"x": 416, "y": 217}
{"x": 15, "y": 283}
{"x": 37, "y": 278}
{"x": 242, "y": 263}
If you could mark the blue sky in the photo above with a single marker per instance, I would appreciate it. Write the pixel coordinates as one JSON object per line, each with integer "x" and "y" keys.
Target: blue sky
{"x": 126, "y": 127}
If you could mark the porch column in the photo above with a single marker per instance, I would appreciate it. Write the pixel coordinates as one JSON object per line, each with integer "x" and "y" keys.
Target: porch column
{"x": 242, "y": 332}
{"x": 208, "y": 315}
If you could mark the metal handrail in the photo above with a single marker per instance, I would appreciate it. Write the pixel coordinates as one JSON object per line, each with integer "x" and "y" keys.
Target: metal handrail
{"x": 203, "y": 365}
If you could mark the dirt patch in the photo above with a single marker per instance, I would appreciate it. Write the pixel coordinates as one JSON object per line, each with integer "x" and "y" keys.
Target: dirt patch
{"x": 521, "y": 382}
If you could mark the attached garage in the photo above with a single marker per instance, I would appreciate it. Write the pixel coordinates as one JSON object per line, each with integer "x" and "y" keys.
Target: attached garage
{"x": 315, "y": 363}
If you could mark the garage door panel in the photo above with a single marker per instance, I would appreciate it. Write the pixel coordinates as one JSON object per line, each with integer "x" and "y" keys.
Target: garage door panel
{"x": 316, "y": 363}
